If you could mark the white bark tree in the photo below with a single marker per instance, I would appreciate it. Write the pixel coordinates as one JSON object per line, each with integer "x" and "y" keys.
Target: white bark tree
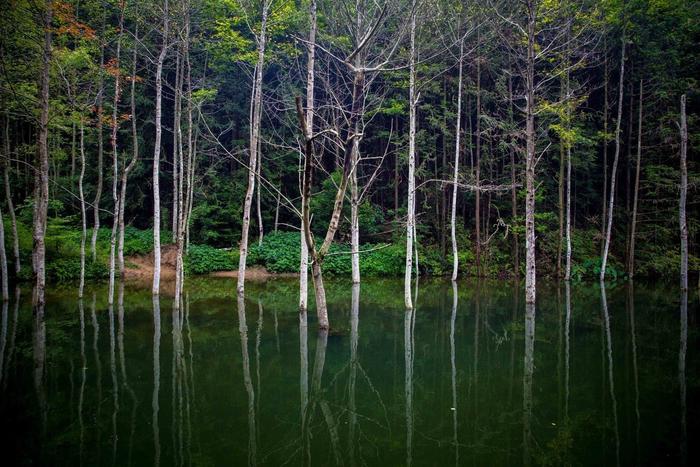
{"x": 115, "y": 155}
{"x": 41, "y": 178}
{"x": 256, "y": 117}
{"x": 156, "y": 152}
{"x": 455, "y": 178}
{"x": 8, "y": 198}
{"x": 613, "y": 174}
{"x": 412, "y": 107}
{"x": 684, "y": 195}
{"x": 310, "y": 84}
{"x": 134, "y": 156}
{"x": 83, "y": 212}
{"x": 633, "y": 227}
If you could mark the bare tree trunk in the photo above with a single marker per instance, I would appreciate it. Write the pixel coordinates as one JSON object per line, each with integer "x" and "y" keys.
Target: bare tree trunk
{"x": 684, "y": 195}
{"x": 185, "y": 192}
{"x": 513, "y": 190}
{"x": 72, "y": 153}
{"x": 100, "y": 144}
{"x": 8, "y": 197}
{"x": 3, "y": 262}
{"x": 134, "y": 157}
{"x": 83, "y": 213}
{"x": 177, "y": 115}
{"x": 256, "y": 104}
{"x": 567, "y": 273}
{"x": 115, "y": 158}
{"x": 606, "y": 107}
{"x": 530, "y": 161}
{"x": 633, "y": 227}
{"x": 317, "y": 256}
{"x": 41, "y": 189}
{"x": 261, "y": 231}
{"x": 477, "y": 162}
{"x": 310, "y": 82}
{"x": 455, "y": 177}
{"x": 354, "y": 221}
{"x": 156, "y": 153}
{"x": 277, "y": 210}
{"x": 412, "y": 103}
{"x": 613, "y": 175}
{"x": 562, "y": 175}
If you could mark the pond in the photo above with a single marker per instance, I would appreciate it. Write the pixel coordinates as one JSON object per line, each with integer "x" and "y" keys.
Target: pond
{"x": 472, "y": 377}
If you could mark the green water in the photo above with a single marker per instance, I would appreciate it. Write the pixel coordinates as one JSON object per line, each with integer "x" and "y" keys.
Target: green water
{"x": 467, "y": 379}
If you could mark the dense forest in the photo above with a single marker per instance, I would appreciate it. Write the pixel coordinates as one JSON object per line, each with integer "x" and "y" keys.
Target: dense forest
{"x": 394, "y": 138}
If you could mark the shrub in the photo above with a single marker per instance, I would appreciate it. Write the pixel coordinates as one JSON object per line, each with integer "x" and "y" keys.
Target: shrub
{"x": 68, "y": 269}
{"x": 203, "y": 259}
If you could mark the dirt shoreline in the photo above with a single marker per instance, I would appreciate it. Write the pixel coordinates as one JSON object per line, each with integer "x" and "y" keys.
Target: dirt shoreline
{"x": 140, "y": 268}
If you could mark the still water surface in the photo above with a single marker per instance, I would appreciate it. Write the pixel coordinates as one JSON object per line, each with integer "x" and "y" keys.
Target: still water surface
{"x": 472, "y": 377}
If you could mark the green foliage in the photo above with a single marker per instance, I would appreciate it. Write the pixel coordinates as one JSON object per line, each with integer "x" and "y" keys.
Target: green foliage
{"x": 203, "y": 259}
{"x": 590, "y": 269}
{"x": 68, "y": 269}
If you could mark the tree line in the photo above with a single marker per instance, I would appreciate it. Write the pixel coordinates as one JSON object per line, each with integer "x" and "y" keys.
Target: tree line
{"x": 476, "y": 132}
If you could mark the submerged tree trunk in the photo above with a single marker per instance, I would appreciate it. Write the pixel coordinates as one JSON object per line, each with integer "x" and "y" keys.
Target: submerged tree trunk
{"x": 185, "y": 189}
{"x": 310, "y": 82}
{"x": 613, "y": 175}
{"x": 318, "y": 256}
{"x": 156, "y": 154}
{"x": 256, "y": 104}
{"x": 8, "y": 197}
{"x": 115, "y": 159}
{"x": 455, "y": 177}
{"x": 477, "y": 166}
{"x": 410, "y": 221}
{"x": 633, "y": 227}
{"x": 684, "y": 195}
{"x": 41, "y": 188}
{"x": 530, "y": 161}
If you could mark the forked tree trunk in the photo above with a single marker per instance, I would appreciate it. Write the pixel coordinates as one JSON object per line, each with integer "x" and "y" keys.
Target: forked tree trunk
{"x": 318, "y": 256}
{"x": 530, "y": 161}
{"x": 256, "y": 108}
{"x": 410, "y": 221}
{"x": 613, "y": 174}
{"x": 156, "y": 154}
{"x": 455, "y": 177}
{"x": 310, "y": 82}
{"x": 633, "y": 227}
{"x": 41, "y": 189}
{"x": 684, "y": 195}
